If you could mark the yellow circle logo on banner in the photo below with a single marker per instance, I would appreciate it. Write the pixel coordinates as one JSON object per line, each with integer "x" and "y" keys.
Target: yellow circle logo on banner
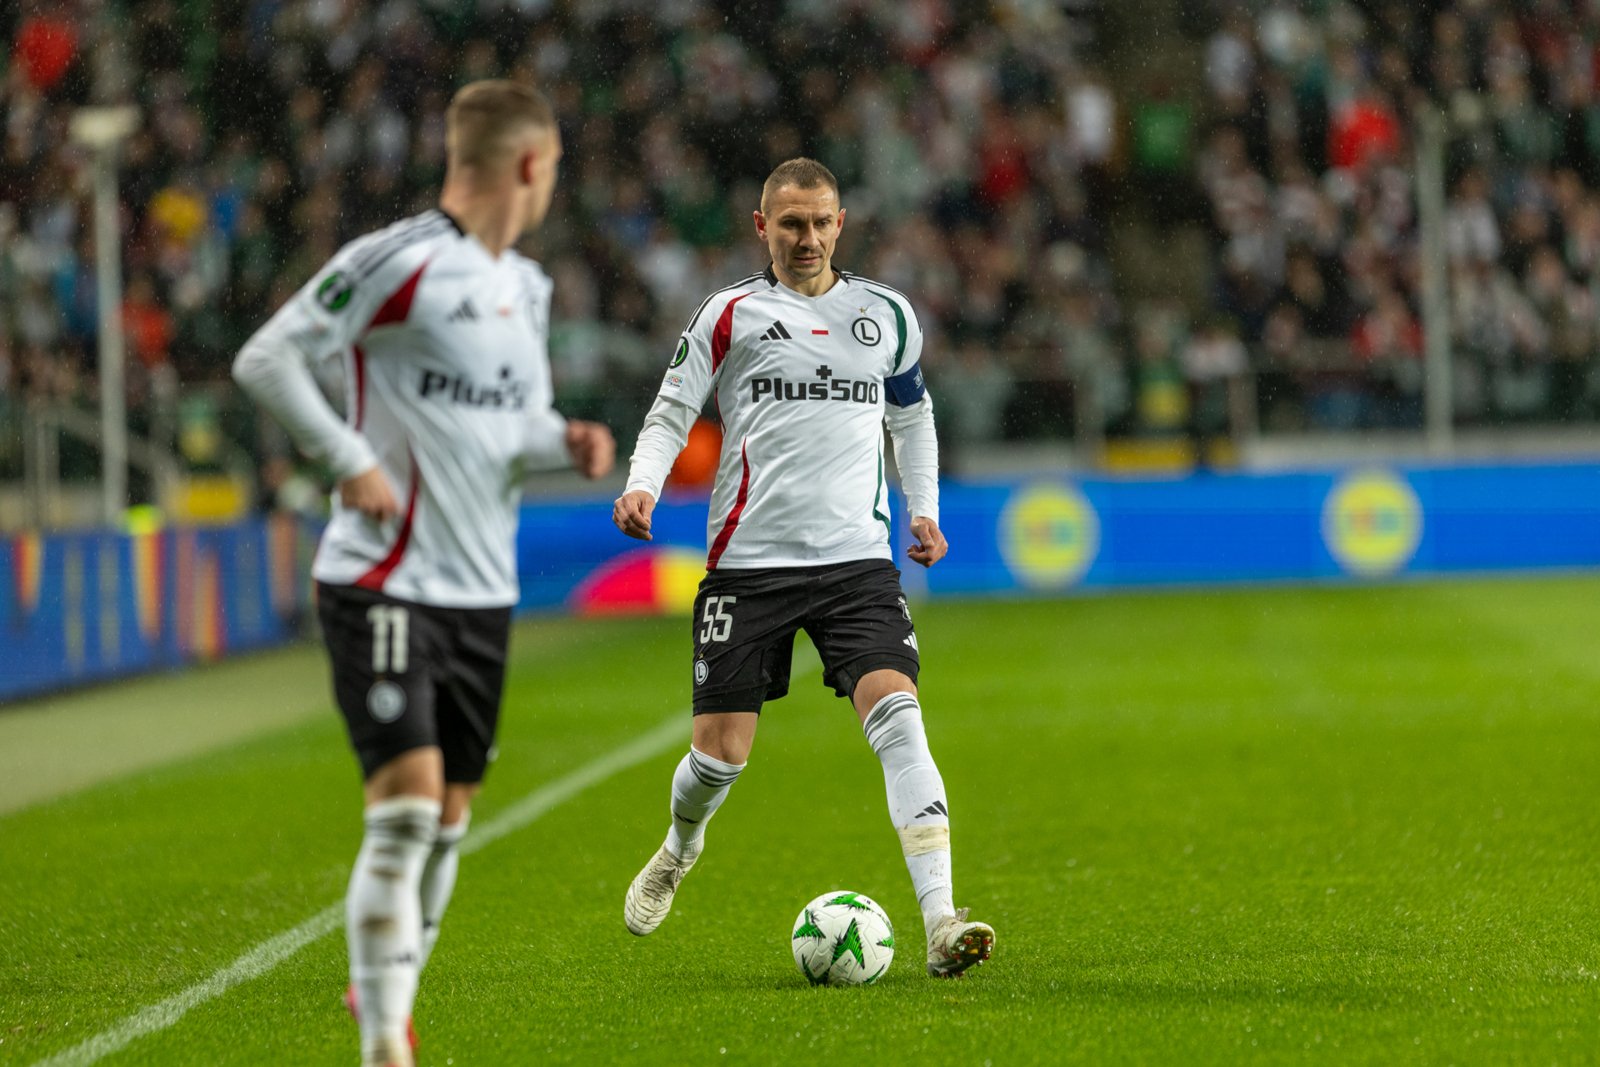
{"x": 1049, "y": 535}
{"x": 1372, "y": 523}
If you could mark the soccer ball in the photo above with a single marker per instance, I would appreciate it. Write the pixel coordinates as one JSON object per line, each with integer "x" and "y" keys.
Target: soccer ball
{"x": 843, "y": 939}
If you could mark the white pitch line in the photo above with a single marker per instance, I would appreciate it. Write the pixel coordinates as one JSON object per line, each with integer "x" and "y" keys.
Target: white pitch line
{"x": 268, "y": 954}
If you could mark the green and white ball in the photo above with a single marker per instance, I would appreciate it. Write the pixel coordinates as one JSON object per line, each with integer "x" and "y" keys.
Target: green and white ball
{"x": 843, "y": 938}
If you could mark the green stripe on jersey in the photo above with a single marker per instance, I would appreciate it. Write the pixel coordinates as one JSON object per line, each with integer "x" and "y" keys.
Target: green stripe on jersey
{"x": 878, "y": 492}
{"x": 900, "y": 327}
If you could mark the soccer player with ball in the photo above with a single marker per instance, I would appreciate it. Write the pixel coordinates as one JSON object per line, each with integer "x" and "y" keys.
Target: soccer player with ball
{"x": 442, "y": 327}
{"x": 807, "y": 364}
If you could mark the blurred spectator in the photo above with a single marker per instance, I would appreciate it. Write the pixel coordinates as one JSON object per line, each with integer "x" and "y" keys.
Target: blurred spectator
{"x": 1214, "y": 361}
{"x": 1088, "y": 355}
{"x": 1163, "y": 140}
{"x": 1092, "y": 121}
{"x": 1311, "y": 112}
{"x": 1363, "y": 130}
{"x": 146, "y": 323}
{"x": 1387, "y": 340}
{"x": 1317, "y": 293}
{"x": 1161, "y": 397}
{"x": 973, "y": 400}
{"x": 1471, "y": 230}
{"x": 46, "y": 46}
{"x": 1281, "y": 378}
{"x": 971, "y": 138}
{"x": 978, "y": 146}
{"x": 1569, "y": 311}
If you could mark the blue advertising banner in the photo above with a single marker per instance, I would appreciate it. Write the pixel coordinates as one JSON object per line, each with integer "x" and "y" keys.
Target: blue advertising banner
{"x": 80, "y": 607}
{"x": 1050, "y": 535}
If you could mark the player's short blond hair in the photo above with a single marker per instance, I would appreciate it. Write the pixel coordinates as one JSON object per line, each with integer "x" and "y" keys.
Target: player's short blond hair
{"x": 800, "y": 172}
{"x": 486, "y": 118}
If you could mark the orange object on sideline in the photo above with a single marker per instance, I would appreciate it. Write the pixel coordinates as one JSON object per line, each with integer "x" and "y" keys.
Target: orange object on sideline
{"x": 697, "y": 463}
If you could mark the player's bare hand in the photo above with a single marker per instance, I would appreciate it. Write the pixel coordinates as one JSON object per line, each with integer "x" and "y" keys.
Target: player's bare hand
{"x": 369, "y": 493}
{"x": 930, "y": 545}
{"x": 631, "y": 513}
{"x": 592, "y": 448}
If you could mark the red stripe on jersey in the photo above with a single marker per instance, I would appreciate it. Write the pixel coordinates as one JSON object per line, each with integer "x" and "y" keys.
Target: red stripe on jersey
{"x": 398, "y": 306}
{"x": 375, "y": 578}
{"x": 720, "y": 545}
{"x": 722, "y": 334}
{"x": 361, "y": 383}
{"x": 819, "y": 331}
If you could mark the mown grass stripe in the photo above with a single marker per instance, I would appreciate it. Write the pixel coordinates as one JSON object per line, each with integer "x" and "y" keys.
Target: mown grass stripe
{"x": 267, "y": 955}
{"x": 270, "y": 953}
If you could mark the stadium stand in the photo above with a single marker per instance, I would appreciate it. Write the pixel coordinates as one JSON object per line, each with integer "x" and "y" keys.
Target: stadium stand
{"x": 273, "y": 131}
{"x": 1038, "y": 210}
{"x": 1307, "y": 172}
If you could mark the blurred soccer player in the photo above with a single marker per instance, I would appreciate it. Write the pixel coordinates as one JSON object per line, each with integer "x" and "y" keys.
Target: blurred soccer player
{"x": 802, "y": 359}
{"x": 443, "y": 327}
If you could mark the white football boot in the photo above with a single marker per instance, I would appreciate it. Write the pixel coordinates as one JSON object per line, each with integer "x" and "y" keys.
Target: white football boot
{"x": 650, "y": 895}
{"x": 957, "y": 944}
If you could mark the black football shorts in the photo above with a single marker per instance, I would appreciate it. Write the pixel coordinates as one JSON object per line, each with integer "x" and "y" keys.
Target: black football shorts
{"x": 745, "y": 622}
{"x": 413, "y": 676}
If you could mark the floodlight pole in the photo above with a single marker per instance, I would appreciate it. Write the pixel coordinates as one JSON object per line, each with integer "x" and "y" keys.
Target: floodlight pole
{"x": 1438, "y": 388}
{"x": 103, "y": 129}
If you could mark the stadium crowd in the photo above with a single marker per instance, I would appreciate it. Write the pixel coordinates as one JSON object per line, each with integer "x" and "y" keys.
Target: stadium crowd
{"x": 274, "y": 130}
{"x": 981, "y": 150}
{"x": 1308, "y": 168}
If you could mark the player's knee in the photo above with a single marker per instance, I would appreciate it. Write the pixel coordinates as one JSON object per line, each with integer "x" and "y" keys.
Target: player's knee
{"x": 417, "y": 772}
{"x": 725, "y": 736}
{"x": 875, "y": 686}
{"x": 730, "y": 751}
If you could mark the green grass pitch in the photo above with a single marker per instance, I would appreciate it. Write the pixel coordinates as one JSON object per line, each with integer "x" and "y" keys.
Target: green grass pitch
{"x": 1352, "y": 825}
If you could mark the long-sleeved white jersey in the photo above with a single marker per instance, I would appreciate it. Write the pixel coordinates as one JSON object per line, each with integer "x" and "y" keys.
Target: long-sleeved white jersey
{"x": 804, "y": 386}
{"x": 448, "y": 393}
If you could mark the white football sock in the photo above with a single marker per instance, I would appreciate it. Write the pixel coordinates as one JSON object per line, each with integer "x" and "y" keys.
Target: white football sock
{"x": 699, "y": 786}
{"x": 383, "y": 914}
{"x": 916, "y": 800}
{"x": 439, "y": 881}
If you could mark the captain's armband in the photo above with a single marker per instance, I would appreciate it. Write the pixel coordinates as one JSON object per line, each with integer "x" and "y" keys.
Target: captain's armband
{"x": 905, "y": 388}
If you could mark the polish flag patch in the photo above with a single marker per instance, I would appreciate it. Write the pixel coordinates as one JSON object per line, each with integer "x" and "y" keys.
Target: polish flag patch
{"x": 814, "y": 330}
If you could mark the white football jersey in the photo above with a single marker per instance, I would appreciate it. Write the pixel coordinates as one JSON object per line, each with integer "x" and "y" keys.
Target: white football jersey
{"x": 447, "y": 383}
{"x": 801, "y": 385}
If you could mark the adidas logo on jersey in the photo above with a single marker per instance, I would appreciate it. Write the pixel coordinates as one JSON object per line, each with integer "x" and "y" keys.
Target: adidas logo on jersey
{"x": 465, "y": 313}
{"x": 776, "y": 332}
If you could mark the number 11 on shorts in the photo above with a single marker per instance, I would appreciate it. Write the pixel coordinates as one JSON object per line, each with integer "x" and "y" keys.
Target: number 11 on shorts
{"x": 391, "y": 626}
{"x": 717, "y": 623}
